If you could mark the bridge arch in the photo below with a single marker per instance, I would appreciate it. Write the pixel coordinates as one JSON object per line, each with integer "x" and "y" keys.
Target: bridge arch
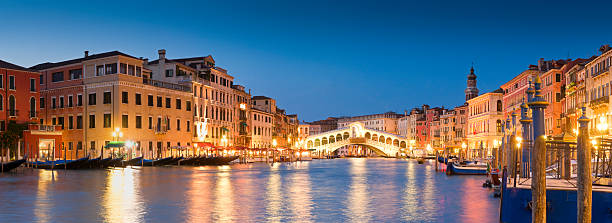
{"x": 356, "y": 133}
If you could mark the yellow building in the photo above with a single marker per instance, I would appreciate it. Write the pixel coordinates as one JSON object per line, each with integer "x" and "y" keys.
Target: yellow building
{"x": 110, "y": 97}
{"x": 485, "y": 118}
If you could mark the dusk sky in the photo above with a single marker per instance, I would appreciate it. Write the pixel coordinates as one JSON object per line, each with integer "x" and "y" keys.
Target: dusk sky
{"x": 321, "y": 58}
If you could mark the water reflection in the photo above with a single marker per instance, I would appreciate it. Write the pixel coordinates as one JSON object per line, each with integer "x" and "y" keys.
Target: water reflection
{"x": 273, "y": 195}
{"x": 223, "y": 204}
{"x": 122, "y": 201}
{"x": 300, "y": 199}
{"x": 358, "y": 207}
{"x": 198, "y": 198}
{"x": 42, "y": 204}
{"x": 340, "y": 190}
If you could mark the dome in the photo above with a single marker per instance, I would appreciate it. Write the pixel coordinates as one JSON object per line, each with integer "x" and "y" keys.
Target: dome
{"x": 471, "y": 76}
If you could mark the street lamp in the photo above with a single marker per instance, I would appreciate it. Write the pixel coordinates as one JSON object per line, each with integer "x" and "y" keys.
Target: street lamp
{"x": 463, "y": 147}
{"x": 602, "y": 126}
{"x": 117, "y": 134}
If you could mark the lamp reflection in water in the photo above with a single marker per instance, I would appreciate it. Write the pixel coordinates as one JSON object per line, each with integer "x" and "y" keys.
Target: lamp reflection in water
{"x": 300, "y": 195}
{"x": 358, "y": 200}
{"x": 410, "y": 206}
{"x": 224, "y": 197}
{"x": 122, "y": 202}
{"x": 273, "y": 195}
{"x": 198, "y": 200}
{"x": 42, "y": 205}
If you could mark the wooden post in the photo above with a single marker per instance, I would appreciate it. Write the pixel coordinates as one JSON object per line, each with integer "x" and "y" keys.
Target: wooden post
{"x": 585, "y": 186}
{"x": 538, "y": 159}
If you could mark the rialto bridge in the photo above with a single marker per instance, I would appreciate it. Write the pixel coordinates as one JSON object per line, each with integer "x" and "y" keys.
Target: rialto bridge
{"x": 383, "y": 143}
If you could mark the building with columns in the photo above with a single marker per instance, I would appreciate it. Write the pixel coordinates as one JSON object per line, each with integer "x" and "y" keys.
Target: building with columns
{"x": 485, "y": 120}
{"x": 598, "y": 84}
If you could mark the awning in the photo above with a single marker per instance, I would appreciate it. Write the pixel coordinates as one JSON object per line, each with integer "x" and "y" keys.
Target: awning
{"x": 115, "y": 144}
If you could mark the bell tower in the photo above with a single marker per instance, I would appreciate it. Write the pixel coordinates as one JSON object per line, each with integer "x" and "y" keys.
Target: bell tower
{"x": 471, "y": 91}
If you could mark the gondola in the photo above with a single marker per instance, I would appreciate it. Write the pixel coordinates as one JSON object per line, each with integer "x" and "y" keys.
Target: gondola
{"x": 104, "y": 163}
{"x": 77, "y": 164}
{"x": 174, "y": 161}
{"x": 191, "y": 161}
{"x": 158, "y": 162}
{"x": 12, "y": 165}
{"x": 456, "y": 169}
{"x": 116, "y": 162}
{"x": 134, "y": 162}
{"x": 219, "y": 160}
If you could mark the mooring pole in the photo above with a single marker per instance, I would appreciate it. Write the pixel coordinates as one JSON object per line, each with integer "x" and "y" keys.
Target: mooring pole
{"x": 538, "y": 183}
{"x": 526, "y": 151}
{"x": 585, "y": 186}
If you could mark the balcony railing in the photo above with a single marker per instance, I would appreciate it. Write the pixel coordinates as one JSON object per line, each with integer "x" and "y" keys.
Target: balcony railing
{"x": 167, "y": 85}
{"x": 160, "y": 129}
{"x": 599, "y": 101}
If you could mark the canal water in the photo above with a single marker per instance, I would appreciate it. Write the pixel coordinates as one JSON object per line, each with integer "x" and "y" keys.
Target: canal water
{"x": 339, "y": 190}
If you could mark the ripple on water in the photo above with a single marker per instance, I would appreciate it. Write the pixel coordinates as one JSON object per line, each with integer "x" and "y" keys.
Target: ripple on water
{"x": 341, "y": 190}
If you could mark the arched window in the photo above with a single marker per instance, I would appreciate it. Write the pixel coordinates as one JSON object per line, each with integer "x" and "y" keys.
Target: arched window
{"x": 32, "y": 107}
{"x": 12, "y": 111}
{"x": 499, "y": 106}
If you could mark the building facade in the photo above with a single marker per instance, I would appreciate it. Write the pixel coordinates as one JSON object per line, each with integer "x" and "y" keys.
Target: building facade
{"x": 93, "y": 96}
{"x": 485, "y": 120}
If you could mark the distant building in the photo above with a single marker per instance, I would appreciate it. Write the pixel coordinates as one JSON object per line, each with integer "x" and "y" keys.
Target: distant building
{"x": 386, "y": 122}
{"x": 485, "y": 120}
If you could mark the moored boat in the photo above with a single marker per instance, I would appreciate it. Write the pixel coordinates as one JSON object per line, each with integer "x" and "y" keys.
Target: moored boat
{"x": 12, "y": 165}
{"x": 456, "y": 169}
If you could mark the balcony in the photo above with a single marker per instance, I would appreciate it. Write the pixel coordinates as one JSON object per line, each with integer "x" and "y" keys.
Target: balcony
{"x": 167, "y": 85}
{"x": 599, "y": 101}
{"x": 161, "y": 129}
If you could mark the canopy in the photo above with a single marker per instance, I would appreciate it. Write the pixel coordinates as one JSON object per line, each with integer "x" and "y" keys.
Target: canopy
{"x": 115, "y": 144}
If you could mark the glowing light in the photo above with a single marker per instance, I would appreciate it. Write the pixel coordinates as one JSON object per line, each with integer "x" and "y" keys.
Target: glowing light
{"x": 594, "y": 142}
{"x": 463, "y": 145}
{"x": 242, "y": 106}
{"x": 274, "y": 142}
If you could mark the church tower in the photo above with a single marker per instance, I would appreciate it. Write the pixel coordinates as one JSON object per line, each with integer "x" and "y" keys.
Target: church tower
{"x": 471, "y": 91}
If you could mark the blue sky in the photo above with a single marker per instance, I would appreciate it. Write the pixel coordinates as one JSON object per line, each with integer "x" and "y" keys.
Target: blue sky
{"x": 321, "y": 58}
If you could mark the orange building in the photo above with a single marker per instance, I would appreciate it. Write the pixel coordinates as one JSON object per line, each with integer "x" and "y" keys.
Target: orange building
{"x": 19, "y": 103}
{"x": 553, "y": 90}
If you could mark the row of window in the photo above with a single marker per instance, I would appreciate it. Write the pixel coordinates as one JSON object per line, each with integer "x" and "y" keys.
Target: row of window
{"x": 107, "y": 99}
{"x": 12, "y": 84}
{"x": 262, "y": 131}
{"x": 128, "y": 69}
{"x": 262, "y": 118}
{"x": 76, "y": 122}
{"x": 70, "y": 102}
{"x": 73, "y": 74}
{"x": 600, "y": 67}
{"x": 219, "y": 96}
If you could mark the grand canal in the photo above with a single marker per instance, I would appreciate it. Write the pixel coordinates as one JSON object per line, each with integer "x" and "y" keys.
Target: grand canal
{"x": 340, "y": 190}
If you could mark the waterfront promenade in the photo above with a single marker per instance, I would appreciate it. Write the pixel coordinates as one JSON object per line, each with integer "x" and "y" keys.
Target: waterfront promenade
{"x": 337, "y": 190}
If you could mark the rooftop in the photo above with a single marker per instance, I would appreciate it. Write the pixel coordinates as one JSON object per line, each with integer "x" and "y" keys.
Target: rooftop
{"x": 47, "y": 65}
{"x": 7, "y": 65}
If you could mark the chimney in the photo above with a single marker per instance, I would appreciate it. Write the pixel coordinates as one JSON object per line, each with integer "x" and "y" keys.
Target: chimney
{"x": 86, "y": 53}
{"x": 162, "y": 55}
{"x": 146, "y": 61}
